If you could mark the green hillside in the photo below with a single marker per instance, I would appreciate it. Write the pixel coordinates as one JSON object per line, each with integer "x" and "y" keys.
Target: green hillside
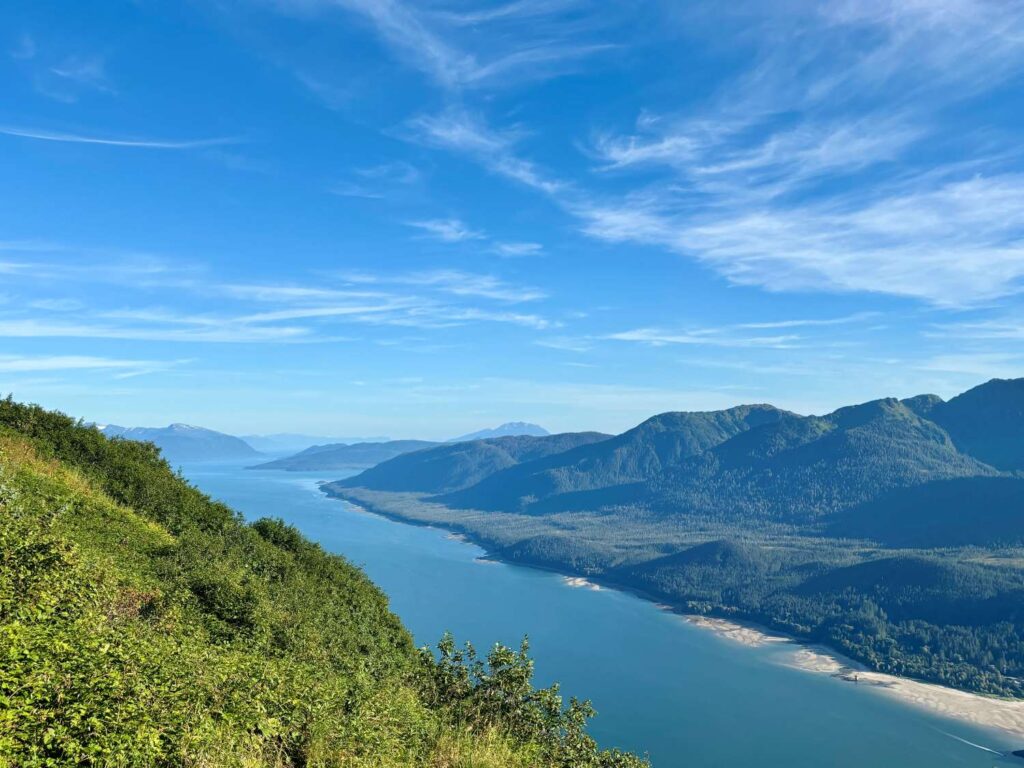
{"x": 143, "y": 624}
{"x": 458, "y": 465}
{"x": 799, "y": 470}
{"x": 645, "y": 451}
{"x": 892, "y": 530}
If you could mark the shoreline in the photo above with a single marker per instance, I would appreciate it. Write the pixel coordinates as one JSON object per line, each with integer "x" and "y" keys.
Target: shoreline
{"x": 1003, "y": 715}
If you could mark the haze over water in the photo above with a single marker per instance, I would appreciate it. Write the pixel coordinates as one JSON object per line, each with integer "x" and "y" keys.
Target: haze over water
{"x": 687, "y": 696}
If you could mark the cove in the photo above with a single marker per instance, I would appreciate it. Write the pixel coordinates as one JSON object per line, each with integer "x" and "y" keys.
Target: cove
{"x": 682, "y": 694}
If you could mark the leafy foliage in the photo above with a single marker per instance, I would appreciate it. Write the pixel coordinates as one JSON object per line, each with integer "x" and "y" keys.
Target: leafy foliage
{"x": 143, "y": 624}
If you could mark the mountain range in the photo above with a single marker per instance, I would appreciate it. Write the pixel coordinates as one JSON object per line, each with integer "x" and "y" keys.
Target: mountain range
{"x": 749, "y": 461}
{"x": 343, "y": 456}
{"x": 891, "y": 530}
{"x": 292, "y": 442}
{"x": 330, "y": 457}
{"x": 185, "y": 443}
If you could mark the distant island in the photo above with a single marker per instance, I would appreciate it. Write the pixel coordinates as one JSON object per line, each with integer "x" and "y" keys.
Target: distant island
{"x": 891, "y": 531}
{"x": 186, "y": 443}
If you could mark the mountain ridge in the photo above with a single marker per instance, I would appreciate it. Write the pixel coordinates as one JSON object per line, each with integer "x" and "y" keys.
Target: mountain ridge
{"x": 184, "y": 442}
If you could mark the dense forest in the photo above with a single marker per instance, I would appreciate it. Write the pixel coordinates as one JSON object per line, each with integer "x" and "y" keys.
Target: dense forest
{"x": 143, "y": 624}
{"x": 892, "y": 531}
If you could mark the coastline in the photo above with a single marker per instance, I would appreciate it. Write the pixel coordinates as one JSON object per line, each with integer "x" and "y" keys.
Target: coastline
{"x": 1006, "y": 716}
{"x": 979, "y": 710}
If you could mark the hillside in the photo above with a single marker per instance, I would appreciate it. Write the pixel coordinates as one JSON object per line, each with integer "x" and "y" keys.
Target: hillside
{"x": 144, "y": 624}
{"x": 341, "y": 457}
{"x": 799, "y": 470}
{"x": 185, "y": 443}
{"x": 458, "y": 465}
{"x": 987, "y": 422}
{"x": 880, "y": 529}
{"x": 293, "y": 442}
{"x": 508, "y": 429}
{"x": 643, "y": 452}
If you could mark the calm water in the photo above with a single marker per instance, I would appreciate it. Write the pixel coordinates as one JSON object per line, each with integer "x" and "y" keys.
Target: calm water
{"x": 686, "y": 696}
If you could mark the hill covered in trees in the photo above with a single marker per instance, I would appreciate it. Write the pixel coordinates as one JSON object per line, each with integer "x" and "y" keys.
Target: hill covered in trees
{"x": 345, "y": 456}
{"x": 891, "y": 530}
{"x": 453, "y": 466}
{"x": 143, "y": 624}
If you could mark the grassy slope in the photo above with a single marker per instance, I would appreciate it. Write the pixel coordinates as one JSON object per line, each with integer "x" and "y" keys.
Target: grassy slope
{"x": 143, "y": 624}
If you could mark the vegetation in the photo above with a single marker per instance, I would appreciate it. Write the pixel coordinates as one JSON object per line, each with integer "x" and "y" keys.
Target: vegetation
{"x": 459, "y": 465}
{"x": 319, "y": 457}
{"x": 881, "y": 529}
{"x": 142, "y": 624}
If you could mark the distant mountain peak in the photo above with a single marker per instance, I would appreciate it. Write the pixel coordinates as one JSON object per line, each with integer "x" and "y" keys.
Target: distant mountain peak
{"x": 508, "y": 429}
{"x": 185, "y": 442}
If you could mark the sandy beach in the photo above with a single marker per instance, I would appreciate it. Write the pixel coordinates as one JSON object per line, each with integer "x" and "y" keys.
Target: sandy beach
{"x": 739, "y": 633}
{"x": 580, "y": 583}
{"x": 983, "y": 711}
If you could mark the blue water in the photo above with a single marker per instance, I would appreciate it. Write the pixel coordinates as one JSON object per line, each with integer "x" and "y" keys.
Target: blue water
{"x": 681, "y": 693}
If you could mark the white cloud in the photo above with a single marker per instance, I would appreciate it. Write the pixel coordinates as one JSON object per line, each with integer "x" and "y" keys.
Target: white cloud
{"x": 32, "y": 133}
{"x": 205, "y": 333}
{"x": 512, "y": 250}
{"x": 86, "y": 71}
{"x": 451, "y": 281}
{"x": 39, "y": 363}
{"x": 518, "y": 41}
{"x": 657, "y": 337}
{"x": 448, "y": 230}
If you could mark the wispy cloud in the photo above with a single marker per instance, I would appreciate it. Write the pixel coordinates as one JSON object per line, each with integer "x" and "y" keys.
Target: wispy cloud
{"x": 454, "y": 282}
{"x": 566, "y": 343}
{"x": 378, "y": 182}
{"x": 448, "y": 230}
{"x": 512, "y": 43}
{"x": 462, "y": 131}
{"x": 956, "y": 244}
{"x": 50, "y": 363}
{"x": 808, "y": 172}
{"x": 85, "y": 71}
{"x": 516, "y": 250}
{"x": 221, "y": 333}
{"x": 74, "y": 138}
{"x": 228, "y": 312}
{"x": 657, "y": 337}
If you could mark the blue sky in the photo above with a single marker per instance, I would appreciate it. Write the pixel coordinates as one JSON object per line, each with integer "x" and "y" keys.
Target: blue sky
{"x": 420, "y": 218}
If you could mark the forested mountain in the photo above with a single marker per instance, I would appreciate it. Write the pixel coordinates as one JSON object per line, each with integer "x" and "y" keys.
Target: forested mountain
{"x": 144, "y": 624}
{"x": 641, "y": 453}
{"x": 341, "y": 456}
{"x": 801, "y": 469}
{"x": 891, "y": 530}
{"x": 987, "y": 422}
{"x": 183, "y": 442}
{"x": 508, "y": 429}
{"x": 457, "y": 465}
{"x": 293, "y": 442}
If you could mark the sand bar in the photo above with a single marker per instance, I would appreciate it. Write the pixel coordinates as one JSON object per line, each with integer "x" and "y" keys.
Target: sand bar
{"x": 983, "y": 711}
